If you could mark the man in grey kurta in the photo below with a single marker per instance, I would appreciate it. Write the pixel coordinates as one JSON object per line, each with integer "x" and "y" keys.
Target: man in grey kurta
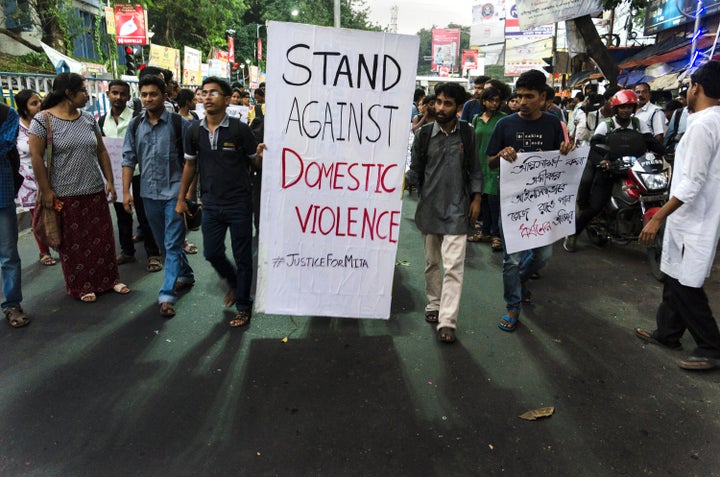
{"x": 446, "y": 170}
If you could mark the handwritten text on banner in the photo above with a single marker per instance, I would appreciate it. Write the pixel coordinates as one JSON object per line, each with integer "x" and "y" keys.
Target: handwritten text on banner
{"x": 336, "y": 130}
{"x": 537, "y": 196}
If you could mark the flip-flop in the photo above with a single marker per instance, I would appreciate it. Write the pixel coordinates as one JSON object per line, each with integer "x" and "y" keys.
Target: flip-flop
{"x": 512, "y": 326}
{"x": 88, "y": 298}
{"x": 648, "y": 337}
{"x": 154, "y": 265}
{"x": 432, "y": 316}
{"x": 699, "y": 363}
{"x": 446, "y": 334}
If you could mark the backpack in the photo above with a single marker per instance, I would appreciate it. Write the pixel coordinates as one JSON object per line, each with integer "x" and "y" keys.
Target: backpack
{"x": 467, "y": 136}
{"x": 12, "y": 155}
{"x": 233, "y": 126}
{"x": 101, "y": 119}
{"x": 177, "y": 126}
{"x": 258, "y": 123}
{"x": 625, "y": 142}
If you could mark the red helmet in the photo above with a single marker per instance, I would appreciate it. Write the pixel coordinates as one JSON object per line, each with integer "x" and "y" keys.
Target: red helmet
{"x": 624, "y": 96}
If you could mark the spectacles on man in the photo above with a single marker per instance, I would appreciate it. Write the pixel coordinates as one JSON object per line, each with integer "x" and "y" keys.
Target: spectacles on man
{"x": 212, "y": 94}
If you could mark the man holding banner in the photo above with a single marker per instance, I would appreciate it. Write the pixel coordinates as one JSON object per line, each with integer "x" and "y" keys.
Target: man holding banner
{"x": 446, "y": 170}
{"x": 222, "y": 148}
{"x": 529, "y": 130}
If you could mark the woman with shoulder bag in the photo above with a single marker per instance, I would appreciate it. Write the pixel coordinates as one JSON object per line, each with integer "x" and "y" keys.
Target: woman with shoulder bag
{"x": 73, "y": 186}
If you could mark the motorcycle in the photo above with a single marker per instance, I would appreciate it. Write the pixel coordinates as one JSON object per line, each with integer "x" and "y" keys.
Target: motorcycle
{"x": 640, "y": 189}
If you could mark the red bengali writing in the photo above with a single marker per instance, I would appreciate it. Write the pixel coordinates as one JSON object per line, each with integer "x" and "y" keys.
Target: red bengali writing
{"x": 339, "y": 175}
{"x": 374, "y": 224}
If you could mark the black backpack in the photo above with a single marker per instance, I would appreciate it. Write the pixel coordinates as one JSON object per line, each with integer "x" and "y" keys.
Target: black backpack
{"x": 467, "y": 136}
{"x": 258, "y": 123}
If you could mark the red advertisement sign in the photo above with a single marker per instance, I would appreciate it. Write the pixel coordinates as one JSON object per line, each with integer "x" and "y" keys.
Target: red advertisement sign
{"x": 231, "y": 49}
{"x": 469, "y": 59}
{"x": 445, "y": 44}
{"x": 259, "y": 49}
{"x": 130, "y": 25}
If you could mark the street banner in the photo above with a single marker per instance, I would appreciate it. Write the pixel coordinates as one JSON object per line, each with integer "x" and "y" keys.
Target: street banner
{"x": 231, "y": 49}
{"x": 110, "y": 21}
{"x": 537, "y": 197}
{"x": 523, "y": 54}
{"x": 114, "y": 146}
{"x": 488, "y": 23}
{"x": 336, "y": 134}
{"x": 445, "y": 44}
{"x": 469, "y": 60}
{"x": 535, "y": 13}
{"x": 192, "y": 66}
{"x": 131, "y": 24}
{"x": 513, "y": 23}
{"x": 165, "y": 57}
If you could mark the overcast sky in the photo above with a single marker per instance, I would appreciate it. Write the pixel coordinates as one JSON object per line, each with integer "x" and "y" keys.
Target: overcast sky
{"x": 414, "y": 15}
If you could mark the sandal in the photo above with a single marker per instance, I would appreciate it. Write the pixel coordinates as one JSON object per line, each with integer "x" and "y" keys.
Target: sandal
{"x": 229, "y": 298}
{"x": 478, "y": 237}
{"x": 527, "y": 299}
{"x": 497, "y": 244}
{"x": 154, "y": 265}
{"x": 241, "y": 318}
{"x": 432, "y": 316}
{"x": 167, "y": 309}
{"x": 121, "y": 288}
{"x": 122, "y": 259}
{"x": 508, "y": 323}
{"x": 183, "y": 286}
{"x": 47, "y": 260}
{"x": 648, "y": 337}
{"x": 190, "y": 248}
{"x": 88, "y": 298}
{"x": 16, "y": 317}
{"x": 699, "y": 363}
{"x": 446, "y": 334}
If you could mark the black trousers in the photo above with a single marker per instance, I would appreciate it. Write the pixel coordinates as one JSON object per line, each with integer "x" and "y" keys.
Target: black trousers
{"x": 599, "y": 195}
{"x": 125, "y": 225}
{"x": 684, "y": 308}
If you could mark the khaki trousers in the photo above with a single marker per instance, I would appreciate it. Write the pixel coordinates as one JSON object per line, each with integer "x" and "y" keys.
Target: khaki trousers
{"x": 444, "y": 288}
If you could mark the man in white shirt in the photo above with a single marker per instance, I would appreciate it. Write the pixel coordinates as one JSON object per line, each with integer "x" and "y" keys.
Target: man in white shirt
{"x": 653, "y": 116}
{"x": 692, "y": 228}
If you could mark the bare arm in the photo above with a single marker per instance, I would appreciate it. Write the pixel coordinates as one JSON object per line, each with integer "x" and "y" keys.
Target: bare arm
{"x": 37, "y": 152}
{"x": 187, "y": 178}
{"x": 647, "y": 236}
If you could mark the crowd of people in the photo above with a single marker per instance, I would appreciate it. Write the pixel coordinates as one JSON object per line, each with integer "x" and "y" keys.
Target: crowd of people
{"x": 54, "y": 156}
{"x": 455, "y": 190}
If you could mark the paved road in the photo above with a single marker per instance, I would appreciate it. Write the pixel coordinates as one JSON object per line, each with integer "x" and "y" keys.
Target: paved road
{"x": 110, "y": 389}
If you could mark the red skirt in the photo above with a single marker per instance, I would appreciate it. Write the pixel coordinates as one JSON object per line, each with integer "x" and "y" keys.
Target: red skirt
{"x": 87, "y": 252}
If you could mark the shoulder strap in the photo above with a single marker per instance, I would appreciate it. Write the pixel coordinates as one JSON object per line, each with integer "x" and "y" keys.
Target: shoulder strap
{"x": 610, "y": 124}
{"x": 101, "y": 123}
{"x": 177, "y": 124}
{"x": 137, "y": 107}
{"x": 4, "y": 109}
{"x": 635, "y": 123}
{"x": 135, "y": 124}
{"x": 468, "y": 141}
{"x": 234, "y": 130}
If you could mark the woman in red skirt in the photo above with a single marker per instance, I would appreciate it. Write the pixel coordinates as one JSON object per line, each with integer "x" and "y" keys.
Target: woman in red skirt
{"x": 87, "y": 251}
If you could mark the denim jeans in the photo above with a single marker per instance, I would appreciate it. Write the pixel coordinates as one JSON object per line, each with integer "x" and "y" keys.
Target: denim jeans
{"x": 168, "y": 229}
{"x": 9, "y": 257}
{"x": 517, "y": 269}
{"x": 215, "y": 223}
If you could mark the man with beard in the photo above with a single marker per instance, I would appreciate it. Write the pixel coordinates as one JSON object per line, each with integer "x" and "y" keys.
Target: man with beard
{"x": 692, "y": 228}
{"x": 529, "y": 130}
{"x": 446, "y": 170}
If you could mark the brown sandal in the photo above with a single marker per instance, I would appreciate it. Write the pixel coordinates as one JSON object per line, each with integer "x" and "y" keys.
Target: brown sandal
{"x": 47, "y": 260}
{"x": 241, "y": 318}
{"x": 154, "y": 265}
{"x": 167, "y": 309}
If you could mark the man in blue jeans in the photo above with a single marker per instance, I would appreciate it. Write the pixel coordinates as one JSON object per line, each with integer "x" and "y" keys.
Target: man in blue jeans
{"x": 154, "y": 140}
{"x": 9, "y": 257}
{"x": 529, "y": 130}
{"x": 221, "y": 148}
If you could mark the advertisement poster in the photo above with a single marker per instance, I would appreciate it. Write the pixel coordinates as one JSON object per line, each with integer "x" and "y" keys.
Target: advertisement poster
{"x": 333, "y": 169}
{"x": 445, "y": 45}
{"x": 488, "y": 26}
{"x": 165, "y": 57}
{"x": 536, "y": 13}
{"x": 192, "y": 66}
{"x": 131, "y": 25}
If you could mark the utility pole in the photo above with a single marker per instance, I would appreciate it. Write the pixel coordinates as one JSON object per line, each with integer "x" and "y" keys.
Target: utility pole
{"x": 337, "y": 13}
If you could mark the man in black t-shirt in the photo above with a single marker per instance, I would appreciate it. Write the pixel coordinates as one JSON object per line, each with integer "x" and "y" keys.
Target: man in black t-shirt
{"x": 528, "y": 130}
{"x": 222, "y": 148}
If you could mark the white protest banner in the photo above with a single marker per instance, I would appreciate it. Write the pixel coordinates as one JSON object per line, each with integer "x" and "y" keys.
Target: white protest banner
{"x": 114, "y": 148}
{"x": 537, "y": 197}
{"x": 238, "y": 111}
{"x": 336, "y": 130}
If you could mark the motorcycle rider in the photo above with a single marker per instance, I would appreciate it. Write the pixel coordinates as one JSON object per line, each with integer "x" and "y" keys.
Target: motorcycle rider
{"x": 624, "y": 104}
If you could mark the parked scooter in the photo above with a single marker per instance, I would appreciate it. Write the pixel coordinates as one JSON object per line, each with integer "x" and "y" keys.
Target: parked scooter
{"x": 640, "y": 188}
